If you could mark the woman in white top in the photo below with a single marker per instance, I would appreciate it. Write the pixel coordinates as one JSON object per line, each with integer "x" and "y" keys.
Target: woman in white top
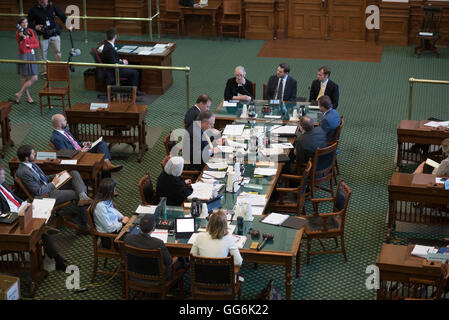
{"x": 216, "y": 242}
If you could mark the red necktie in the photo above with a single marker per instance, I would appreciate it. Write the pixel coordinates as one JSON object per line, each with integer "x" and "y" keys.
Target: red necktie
{"x": 17, "y": 204}
{"x": 75, "y": 144}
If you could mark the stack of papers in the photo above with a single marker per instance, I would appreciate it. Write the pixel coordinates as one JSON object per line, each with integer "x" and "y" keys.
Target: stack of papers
{"x": 69, "y": 162}
{"x": 42, "y": 208}
{"x": 256, "y": 200}
{"x": 271, "y": 152}
{"x": 161, "y": 234}
{"x": 436, "y": 124}
{"x": 286, "y": 145}
{"x": 234, "y": 129}
{"x": 314, "y": 107}
{"x": 204, "y": 191}
{"x": 275, "y": 218}
{"x": 95, "y": 106}
{"x": 229, "y": 104}
{"x": 239, "y": 240}
{"x": 272, "y": 117}
{"x": 422, "y": 251}
{"x": 146, "y": 209}
{"x": 217, "y": 165}
{"x": 265, "y": 171}
{"x": 214, "y": 174}
{"x": 291, "y": 130}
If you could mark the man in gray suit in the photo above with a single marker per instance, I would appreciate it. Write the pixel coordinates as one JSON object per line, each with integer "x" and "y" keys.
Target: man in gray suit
{"x": 310, "y": 139}
{"x": 144, "y": 240}
{"x": 39, "y": 184}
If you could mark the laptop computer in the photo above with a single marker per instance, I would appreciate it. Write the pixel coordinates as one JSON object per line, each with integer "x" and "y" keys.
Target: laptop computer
{"x": 184, "y": 227}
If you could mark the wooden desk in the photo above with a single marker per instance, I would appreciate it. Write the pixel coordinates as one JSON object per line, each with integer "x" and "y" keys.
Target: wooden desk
{"x": 5, "y": 109}
{"x": 151, "y": 81}
{"x": 414, "y": 198}
{"x": 86, "y": 125}
{"x": 398, "y": 268}
{"x": 265, "y": 256}
{"x": 414, "y": 132}
{"x": 89, "y": 165}
{"x": 14, "y": 240}
{"x": 211, "y": 10}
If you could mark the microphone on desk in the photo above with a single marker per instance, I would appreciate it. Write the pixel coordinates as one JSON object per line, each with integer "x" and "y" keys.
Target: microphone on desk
{"x": 265, "y": 236}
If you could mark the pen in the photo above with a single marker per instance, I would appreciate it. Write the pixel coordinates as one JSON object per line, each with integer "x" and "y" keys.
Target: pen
{"x": 9, "y": 217}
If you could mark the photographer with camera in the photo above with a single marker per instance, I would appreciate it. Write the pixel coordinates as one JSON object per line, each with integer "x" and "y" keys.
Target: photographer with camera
{"x": 42, "y": 18}
{"x": 27, "y": 42}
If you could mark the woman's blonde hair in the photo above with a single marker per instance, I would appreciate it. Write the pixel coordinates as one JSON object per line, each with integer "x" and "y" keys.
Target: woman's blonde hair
{"x": 217, "y": 226}
{"x": 445, "y": 146}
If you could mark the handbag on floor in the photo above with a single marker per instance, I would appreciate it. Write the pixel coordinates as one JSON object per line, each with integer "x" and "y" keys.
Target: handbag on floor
{"x": 269, "y": 293}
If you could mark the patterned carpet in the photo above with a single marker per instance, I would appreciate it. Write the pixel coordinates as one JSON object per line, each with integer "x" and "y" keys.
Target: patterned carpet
{"x": 373, "y": 99}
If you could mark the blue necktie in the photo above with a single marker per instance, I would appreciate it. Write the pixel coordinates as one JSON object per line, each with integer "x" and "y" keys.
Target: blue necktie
{"x": 39, "y": 172}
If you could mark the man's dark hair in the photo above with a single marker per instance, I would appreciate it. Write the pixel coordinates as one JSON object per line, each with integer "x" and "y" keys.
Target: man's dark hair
{"x": 23, "y": 152}
{"x": 203, "y": 99}
{"x": 110, "y": 34}
{"x": 147, "y": 223}
{"x": 285, "y": 66}
{"x": 326, "y": 70}
{"x": 306, "y": 123}
{"x": 325, "y": 102}
{"x": 204, "y": 115}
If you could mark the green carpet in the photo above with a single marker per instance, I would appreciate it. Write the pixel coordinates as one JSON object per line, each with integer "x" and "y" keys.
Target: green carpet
{"x": 373, "y": 99}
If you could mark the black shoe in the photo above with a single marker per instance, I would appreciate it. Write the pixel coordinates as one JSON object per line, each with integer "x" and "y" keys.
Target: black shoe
{"x": 60, "y": 263}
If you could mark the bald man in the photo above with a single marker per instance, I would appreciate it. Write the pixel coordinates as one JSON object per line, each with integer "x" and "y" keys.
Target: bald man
{"x": 63, "y": 139}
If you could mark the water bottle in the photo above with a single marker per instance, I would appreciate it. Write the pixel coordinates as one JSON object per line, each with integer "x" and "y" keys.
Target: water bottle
{"x": 240, "y": 226}
{"x": 163, "y": 205}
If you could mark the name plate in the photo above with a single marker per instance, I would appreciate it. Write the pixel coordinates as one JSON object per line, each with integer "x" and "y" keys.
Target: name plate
{"x": 45, "y": 155}
{"x": 96, "y": 106}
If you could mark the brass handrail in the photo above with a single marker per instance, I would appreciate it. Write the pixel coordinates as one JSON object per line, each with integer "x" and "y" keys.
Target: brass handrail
{"x": 410, "y": 97}
{"x": 116, "y": 66}
{"x": 85, "y": 17}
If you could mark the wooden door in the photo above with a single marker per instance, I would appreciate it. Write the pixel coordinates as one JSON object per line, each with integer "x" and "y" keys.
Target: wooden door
{"x": 307, "y": 19}
{"x": 347, "y": 19}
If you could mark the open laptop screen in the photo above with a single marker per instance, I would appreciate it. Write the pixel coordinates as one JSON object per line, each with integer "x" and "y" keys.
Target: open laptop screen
{"x": 184, "y": 225}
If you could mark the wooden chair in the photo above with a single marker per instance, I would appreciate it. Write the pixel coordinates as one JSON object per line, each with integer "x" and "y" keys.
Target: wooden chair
{"x": 52, "y": 146}
{"x": 56, "y": 72}
{"x": 329, "y": 225}
{"x": 214, "y": 278}
{"x": 146, "y": 181}
{"x": 336, "y": 140}
{"x": 121, "y": 94}
{"x": 430, "y": 30}
{"x": 99, "y": 251}
{"x": 55, "y": 220}
{"x": 264, "y": 93}
{"x": 298, "y": 193}
{"x": 145, "y": 272}
{"x": 323, "y": 164}
{"x": 171, "y": 17}
{"x": 232, "y": 16}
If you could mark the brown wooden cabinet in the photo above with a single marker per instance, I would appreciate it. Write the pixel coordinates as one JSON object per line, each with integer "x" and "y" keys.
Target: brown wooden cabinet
{"x": 259, "y": 19}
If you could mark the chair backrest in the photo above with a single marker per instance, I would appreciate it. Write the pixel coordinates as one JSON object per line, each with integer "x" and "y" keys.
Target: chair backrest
{"x": 337, "y": 131}
{"x": 52, "y": 146}
{"x": 212, "y": 277}
{"x": 443, "y": 283}
{"x": 143, "y": 264}
{"x": 167, "y": 143}
{"x": 172, "y": 6}
{"x": 232, "y": 7}
{"x": 264, "y": 93}
{"x": 145, "y": 184}
{"x": 323, "y": 162}
{"x": 22, "y": 189}
{"x": 431, "y": 19}
{"x": 57, "y": 71}
{"x": 122, "y": 94}
{"x": 341, "y": 201}
{"x": 90, "y": 222}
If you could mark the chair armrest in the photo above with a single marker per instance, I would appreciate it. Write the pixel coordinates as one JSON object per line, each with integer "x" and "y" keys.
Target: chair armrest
{"x": 286, "y": 189}
{"x": 290, "y": 177}
{"x": 322, "y": 200}
{"x": 107, "y": 235}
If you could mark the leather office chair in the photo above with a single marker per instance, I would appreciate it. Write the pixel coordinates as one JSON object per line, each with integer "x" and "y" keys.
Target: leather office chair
{"x": 328, "y": 225}
{"x": 145, "y": 272}
{"x": 430, "y": 30}
{"x": 291, "y": 199}
{"x": 232, "y": 16}
{"x": 170, "y": 16}
{"x": 56, "y": 72}
{"x": 100, "y": 242}
{"x": 214, "y": 278}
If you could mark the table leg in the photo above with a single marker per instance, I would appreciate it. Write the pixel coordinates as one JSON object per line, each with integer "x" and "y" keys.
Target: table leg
{"x": 298, "y": 261}
{"x": 214, "y": 25}
{"x": 399, "y": 157}
{"x": 37, "y": 271}
{"x": 181, "y": 17}
{"x": 288, "y": 278}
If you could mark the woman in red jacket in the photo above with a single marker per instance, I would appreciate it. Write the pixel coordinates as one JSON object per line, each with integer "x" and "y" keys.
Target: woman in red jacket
{"x": 27, "y": 42}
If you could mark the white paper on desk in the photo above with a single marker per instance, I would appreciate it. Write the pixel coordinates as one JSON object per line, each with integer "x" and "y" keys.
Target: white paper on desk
{"x": 432, "y": 163}
{"x": 160, "y": 234}
{"x": 139, "y": 49}
{"x": 202, "y": 191}
{"x": 440, "y": 180}
{"x": 436, "y": 124}
{"x": 94, "y": 106}
{"x": 124, "y": 50}
{"x": 160, "y": 45}
{"x": 226, "y": 149}
{"x": 422, "y": 251}
{"x": 229, "y": 104}
{"x": 257, "y": 200}
{"x": 239, "y": 240}
{"x": 285, "y": 145}
{"x": 265, "y": 171}
{"x": 231, "y": 228}
{"x": 70, "y": 162}
{"x": 235, "y": 145}
{"x": 275, "y": 218}
{"x": 214, "y": 174}
{"x": 284, "y": 130}
{"x": 127, "y": 47}
{"x": 158, "y": 50}
{"x": 63, "y": 178}
{"x": 145, "y": 53}
{"x": 42, "y": 208}
{"x": 96, "y": 142}
{"x": 272, "y": 117}
{"x": 234, "y": 129}
{"x": 146, "y": 209}
{"x": 217, "y": 165}
{"x": 267, "y": 152}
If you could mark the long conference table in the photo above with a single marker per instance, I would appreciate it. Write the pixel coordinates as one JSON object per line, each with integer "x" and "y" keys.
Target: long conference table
{"x": 282, "y": 250}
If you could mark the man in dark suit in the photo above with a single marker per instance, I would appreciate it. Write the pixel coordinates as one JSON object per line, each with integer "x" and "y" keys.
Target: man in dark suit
{"x": 309, "y": 140}
{"x": 323, "y": 86}
{"x": 144, "y": 240}
{"x": 203, "y": 103}
{"x": 281, "y": 86}
{"x": 9, "y": 202}
{"x": 109, "y": 56}
{"x": 39, "y": 184}
{"x": 239, "y": 88}
{"x": 331, "y": 119}
{"x": 63, "y": 139}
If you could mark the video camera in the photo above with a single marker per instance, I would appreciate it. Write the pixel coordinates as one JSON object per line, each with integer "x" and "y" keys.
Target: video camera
{"x": 49, "y": 32}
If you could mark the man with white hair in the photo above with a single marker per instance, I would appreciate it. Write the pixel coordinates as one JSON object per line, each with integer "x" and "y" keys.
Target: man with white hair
{"x": 63, "y": 139}
{"x": 170, "y": 183}
{"x": 239, "y": 88}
